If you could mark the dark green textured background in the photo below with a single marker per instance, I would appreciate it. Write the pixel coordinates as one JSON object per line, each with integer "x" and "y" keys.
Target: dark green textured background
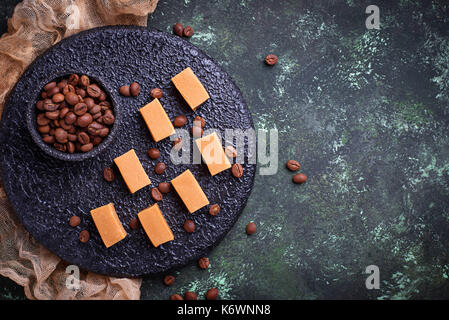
{"x": 366, "y": 112}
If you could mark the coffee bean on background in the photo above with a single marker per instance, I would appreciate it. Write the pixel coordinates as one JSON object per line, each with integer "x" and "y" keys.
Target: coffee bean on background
{"x": 134, "y": 89}
{"x": 156, "y": 93}
{"x": 212, "y": 294}
{"x": 237, "y": 170}
{"x": 180, "y": 121}
{"x": 188, "y": 31}
{"x": 251, "y": 228}
{"x": 189, "y": 226}
{"x": 74, "y": 221}
{"x": 199, "y": 120}
{"x": 169, "y": 280}
{"x": 65, "y": 111}
{"x": 293, "y": 165}
{"x": 203, "y": 263}
{"x": 84, "y": 236}
{"x": 154, "y": 153}
{"x": 134, "y": 223}
{"x": 178, "y": 29}
{"x": 299, "y": 178}
{"x": 271, "y": 59}
{"x": 124, "y": 91}
{"x": 176, "y": 297}
{"x": 160, "y": 168}
{"x": 156, "y": 194}
{"x": 214, "y": 209}
{"x": 189, "y": 295}
{"x": 108, "y": 174}
{"x": 164, "y": 187}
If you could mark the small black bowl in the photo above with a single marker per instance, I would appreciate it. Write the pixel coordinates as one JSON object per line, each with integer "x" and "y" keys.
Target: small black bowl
{"x": 50, "y": 150}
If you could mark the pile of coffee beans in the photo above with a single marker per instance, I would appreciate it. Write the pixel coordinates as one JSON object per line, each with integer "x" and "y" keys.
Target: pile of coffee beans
{"x": 74, "y": 114}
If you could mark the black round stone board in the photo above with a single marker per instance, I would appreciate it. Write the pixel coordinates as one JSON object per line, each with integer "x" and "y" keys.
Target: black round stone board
{"x": 45, "y": 192}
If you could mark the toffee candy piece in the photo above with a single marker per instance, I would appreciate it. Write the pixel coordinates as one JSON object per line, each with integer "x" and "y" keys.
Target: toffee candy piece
{"x": 132, "y": 171}
{"x": 108, "y": 224}
{"x": 190, "y": 191}
{"x": 213, "y": 154}
{"x": 155, "y": 225}
{"x": 157, "y": 120}
{"x": 190, "y": 88}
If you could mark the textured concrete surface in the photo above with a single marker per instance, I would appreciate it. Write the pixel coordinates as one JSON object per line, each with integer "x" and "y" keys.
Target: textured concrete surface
{"x": 366, "y": 114}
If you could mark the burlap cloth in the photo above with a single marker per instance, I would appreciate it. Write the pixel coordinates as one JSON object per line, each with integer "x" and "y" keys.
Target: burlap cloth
{"x": 35, "y": 26}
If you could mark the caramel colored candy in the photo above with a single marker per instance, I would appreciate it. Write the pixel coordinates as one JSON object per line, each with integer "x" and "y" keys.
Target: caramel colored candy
{"x": 132, "y": 171}
{"x": 213, "y": 154}
{"x": 155, "y": 226}
{"x": 157, "y": 120}
{"x": 108, "y": 224}
{"x": 190, "y": 191}
{"x": 190, "y": 88}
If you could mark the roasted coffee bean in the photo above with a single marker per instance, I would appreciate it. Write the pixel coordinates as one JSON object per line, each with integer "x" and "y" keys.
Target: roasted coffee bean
{"x": 72, "y": 98}
{"x": 84, "y": 236}
{"x": 96, "y": 140}
{"x": 97, "y": 116}
{"x": 108, "y": 174}
{"x": 68, "y": 88}
{"x": 189, "y": 295}
{"x": 299, "y": 178}
{"x": 134, "y": 223}
{"x": 81, "y": 92}
{"x": 95, "y": 109}
{"x": 74, "y": 79}
{"x": 44, "y": 94}
{"x": 52, "y": 115}
{"x": 56, "y": 121}
{"x": 108, "y": 118}
{"x": 196, "y": 131}
{"x": 70, "y": 147}
{"x": 169, "y": 280}
{"x": 61, "y": 135}
{"x": 49, "y": 139}
{"x": 40, "y": 105}
{"x": 60, "y": 147}
{"x": 178, "y": 29}
{"x": 66, "y": 127}
{"x": 189, "y": 226}
{"x": 180, "y": 121}
{"x": 134, "y": 89}
{"x": 156, "y": 93}
{"x": 154, "y": 153}
{"x": 80, "y": 108}
{"x": 89, "y": 102}
{"x": 160, "y": 168}
{"x": 124, "y": 91}
{"x": 51, "y": 106}
{"x": 83, "y": 138}
{"x": 237, "y": 170}
{"x": 293, "y": 165}
{"x": 58, "y": 98}
{"x": 203, "y": 263}
{"x": 94, "y": 91}
{"x": 62, "y": 84}
{"x": 231, "y": 152}
{"x": 94, "y": 128}
{"x": 43, "y": 129}
{"x": 72, "y": 137}
{"x": 176, "y": 297}
{"x": 156, "y": 194}
{"x": 251, "y": 228}
{"x": 74, "y": 221}
{"x": 84, "y": 81}
{"x": 271, "y": 59}
{"x": 188, "y": 31}
{"x": 102, "y": 96}
{"x": 50, "y": 85}
{"x": 52, "y": 92}
{"x": 164, "y": 187}
{"x": 42, "y": 120}
{"x": 199, "y": 121}
{"x": 214, "y": 209}
{"x": 103, "y": 132}
{"x": 212, "y": 294}
{"x": 86, "y": 147}
{"x": 63, "y": 112}
{"x": 84, "y": 121}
